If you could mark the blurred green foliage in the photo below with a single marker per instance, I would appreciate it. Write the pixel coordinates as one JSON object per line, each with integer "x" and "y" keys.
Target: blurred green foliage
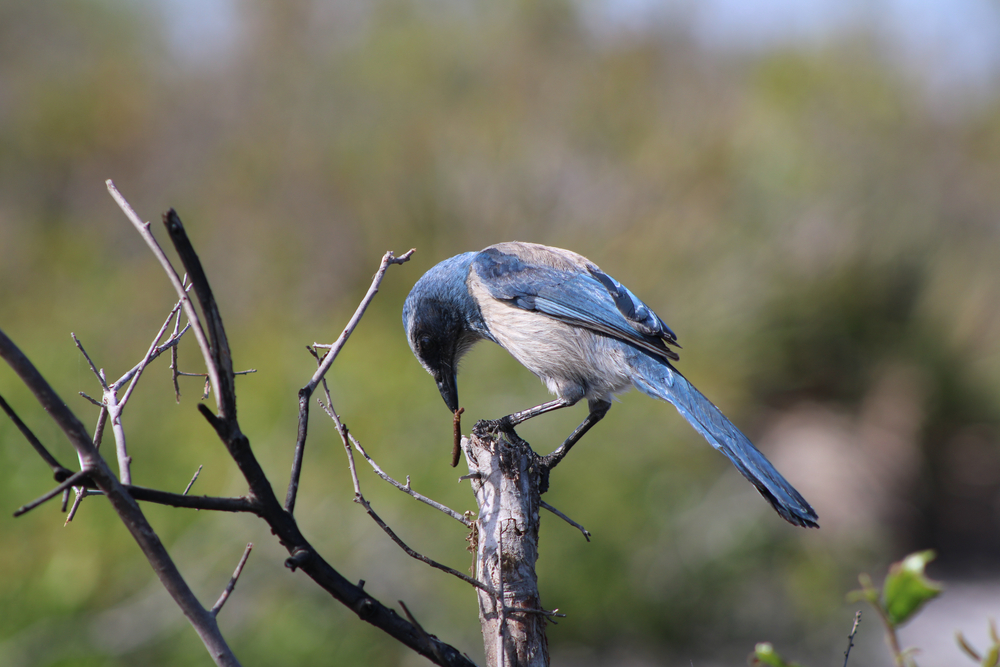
{"x": 807, "y": 220}
{"x": 905, "y": 591}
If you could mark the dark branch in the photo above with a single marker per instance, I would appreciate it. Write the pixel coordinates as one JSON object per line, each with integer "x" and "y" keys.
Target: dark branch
{"x": 74, "y": 480}
{"x": 59, "y": 472}
{"x": 281, "y": 522}
{"x": 300, "y": 445}
{"x": 216, "y": 503}
{"x": 124, "y": 505}
{"x": 217, "y": 607}
{"x": 218, "y": 343}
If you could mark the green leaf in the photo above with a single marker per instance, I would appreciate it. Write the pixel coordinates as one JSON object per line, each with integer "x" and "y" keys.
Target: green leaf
{"x": 764, "y": 654}
{"x": 907, "y": 588}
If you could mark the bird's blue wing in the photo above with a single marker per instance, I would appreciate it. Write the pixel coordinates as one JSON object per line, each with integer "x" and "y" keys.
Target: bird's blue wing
{"x": 582, "y": 296}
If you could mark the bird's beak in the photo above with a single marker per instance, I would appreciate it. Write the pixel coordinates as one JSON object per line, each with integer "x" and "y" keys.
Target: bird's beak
{"x": 448, "y": 386}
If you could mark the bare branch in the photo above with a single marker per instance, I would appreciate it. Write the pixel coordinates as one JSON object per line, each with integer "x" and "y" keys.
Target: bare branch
{"x": 99, "y": 374}
{"x": 73, "y": 480}
{"x": 102, "y": 421}
{"x": 124, "y": 460}
{"x": 324, "y": 365}
{"x": 545, "y": 505}
{"x": 542, "y": 612}
{"x": 171, "y": 345}
{"x": 91, "y": 399}
{"x": 331, "y": 356}
{"x": 850, "y": 637}
{"x": 191, "y": 483}
{"x": 80, "y": 495}
{"x": 218, "y": 358}
{"x": 59, "y": 472}
{"x": 217, "y": 607}
{"x": 173, "y": 352}
{"x": 360, "y": 499}
{"x": 126, "y": 507}
{"x": 153, "y": 352}
{"x": 413, "y": 554}
{"x": 189, "y": 310}
{"x": 405, "y": 488}
{"x": 216, "y": 503}
{"x": 302, "y": 555}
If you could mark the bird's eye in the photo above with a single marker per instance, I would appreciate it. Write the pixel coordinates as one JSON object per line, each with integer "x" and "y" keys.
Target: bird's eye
{"x": 423, "y": 341}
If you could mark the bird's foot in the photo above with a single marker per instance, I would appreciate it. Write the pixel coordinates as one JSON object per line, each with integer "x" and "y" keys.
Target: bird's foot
{"x": 501, "y": 424}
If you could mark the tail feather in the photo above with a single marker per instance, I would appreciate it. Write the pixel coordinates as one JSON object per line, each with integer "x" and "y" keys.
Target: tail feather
{"x": 658, "y": 379}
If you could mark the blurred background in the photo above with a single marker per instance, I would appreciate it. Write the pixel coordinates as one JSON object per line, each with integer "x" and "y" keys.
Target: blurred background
{"x": 806, "y": 192}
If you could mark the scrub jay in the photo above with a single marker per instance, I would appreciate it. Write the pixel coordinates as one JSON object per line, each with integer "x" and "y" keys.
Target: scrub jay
{"x": 584, "y": 334}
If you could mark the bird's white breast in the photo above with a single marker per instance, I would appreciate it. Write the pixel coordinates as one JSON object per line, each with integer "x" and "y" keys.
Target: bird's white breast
{"x": 573, "y": 362}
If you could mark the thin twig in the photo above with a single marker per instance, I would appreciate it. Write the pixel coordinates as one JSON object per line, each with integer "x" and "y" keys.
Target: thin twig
{"x": 300, "y": 437}
{"x": 328, "y": 359}
{"x": 118, "y": 430}
{"x": 850, "y": 637}
{"x": 217, "y": 607}
{"x": 214, "y": 503}
{"x": 189, "y": 309}
{"x": 586, "y": 533}
{"x": 173, "y": 352}
{"x": 102, "y": 421}
{"x": 67, "y": 483}
{"x": 91, "y": 399}
{"x": 191, "y": 483}
{"x": 405, "y": 488}
{"x": 170, "y": 344}
{"x": 360, "y": 499}
{"x": 80, "y": 495}
{"x": 99, "y": 374}
{"x": 114, "y": 408}
{"x": 324, "y": 365}
{"x": 413, "y": 554}
{"x": 154, "y": 351}
{"x": 205, "y": 375}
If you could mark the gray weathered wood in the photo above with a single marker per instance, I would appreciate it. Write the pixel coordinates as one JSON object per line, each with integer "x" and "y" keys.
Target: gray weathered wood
{"x": 505, "y": 478}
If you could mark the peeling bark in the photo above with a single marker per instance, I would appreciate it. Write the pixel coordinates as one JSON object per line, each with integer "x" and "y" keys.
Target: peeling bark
{"x": 505, "y": 476}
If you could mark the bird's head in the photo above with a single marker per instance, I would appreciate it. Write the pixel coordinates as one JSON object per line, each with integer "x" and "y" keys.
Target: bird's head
{"x": 442, "y": 322}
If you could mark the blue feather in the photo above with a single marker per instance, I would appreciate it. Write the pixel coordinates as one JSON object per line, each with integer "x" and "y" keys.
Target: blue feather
{"x": 660, "y": 380}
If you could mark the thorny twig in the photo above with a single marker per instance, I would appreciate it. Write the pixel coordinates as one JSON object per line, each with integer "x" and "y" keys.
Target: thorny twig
{"x": 360, "y": 499}
{"x": 324, "y": 365}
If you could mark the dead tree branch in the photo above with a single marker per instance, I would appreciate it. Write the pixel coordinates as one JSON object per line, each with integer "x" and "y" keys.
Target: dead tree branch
{"x": 302, "y": 555}
{"x": 507, "y": 486}
{"x": 122, "y": 502}
{"x": 260, "y": 499}
{"x": 305, "y": 394}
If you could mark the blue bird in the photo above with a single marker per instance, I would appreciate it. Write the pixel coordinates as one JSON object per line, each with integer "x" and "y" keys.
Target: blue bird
{"x": 584, "y": 334}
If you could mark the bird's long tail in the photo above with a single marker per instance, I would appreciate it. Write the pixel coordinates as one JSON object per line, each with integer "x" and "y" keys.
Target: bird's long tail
{"x": 660, "y": 380}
